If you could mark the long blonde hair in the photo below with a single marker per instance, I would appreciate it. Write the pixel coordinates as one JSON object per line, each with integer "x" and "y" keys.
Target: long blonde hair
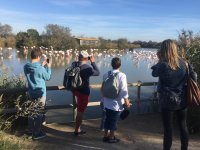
{"x": 169, "y": 53}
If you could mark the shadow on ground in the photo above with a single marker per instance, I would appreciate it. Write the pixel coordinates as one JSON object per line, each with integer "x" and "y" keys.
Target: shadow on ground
{"x": 137, "y": 132}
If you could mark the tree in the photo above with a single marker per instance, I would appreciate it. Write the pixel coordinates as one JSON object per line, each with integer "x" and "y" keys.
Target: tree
{"x": 122, "y": 43}
{"x": 149, "y": 44}
{"x": 74, "y": 44}
{"x": 10, "y": 41}
{"x": 7, "y": 39}
{"x": 2, "y": 42}
{"x": 190, "y": 48}
{"x": 5, "y": 30}
{"x": 185, "y": 38}
{"x": 22, "y": 39}
{"x": 103, "y": 43}
{"x": 33, "y": 36}
{"x": 57, "y": 36}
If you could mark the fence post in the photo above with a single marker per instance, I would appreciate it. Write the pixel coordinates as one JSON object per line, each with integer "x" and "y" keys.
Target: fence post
{"x": 155, "y": 94}
{"x": 139, "y": 90}
{"x": 74, "y": 108}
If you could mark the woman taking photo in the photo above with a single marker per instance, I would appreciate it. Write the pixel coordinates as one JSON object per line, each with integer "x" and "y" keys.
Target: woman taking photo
{"x": 172, "y": 73}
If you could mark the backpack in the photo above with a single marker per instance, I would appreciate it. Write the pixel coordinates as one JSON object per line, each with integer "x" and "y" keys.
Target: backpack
{"x": 72, "y": 79}
{"x": 110, "y": 86}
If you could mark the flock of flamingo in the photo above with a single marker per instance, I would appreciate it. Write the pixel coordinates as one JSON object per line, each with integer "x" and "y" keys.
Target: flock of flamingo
{"x": 61, "y": 58}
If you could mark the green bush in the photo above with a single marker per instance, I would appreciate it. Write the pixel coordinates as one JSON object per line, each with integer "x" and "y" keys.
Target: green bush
{"x": 10, "y": 101}
{"x": 191, "y": 44}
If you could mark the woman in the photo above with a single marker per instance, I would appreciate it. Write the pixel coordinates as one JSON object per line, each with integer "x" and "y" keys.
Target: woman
{"x": 172, "y": 73}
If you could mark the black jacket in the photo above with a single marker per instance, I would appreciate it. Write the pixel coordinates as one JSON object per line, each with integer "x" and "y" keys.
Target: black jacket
{"x": 172, "y": 81}
{"x": 87, "y": 71}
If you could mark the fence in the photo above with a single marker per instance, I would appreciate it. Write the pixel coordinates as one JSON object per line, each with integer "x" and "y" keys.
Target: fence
{"x": 138, "y": 84}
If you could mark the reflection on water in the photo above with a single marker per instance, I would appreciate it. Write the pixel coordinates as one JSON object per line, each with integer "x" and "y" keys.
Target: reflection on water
{"x": 136, "y": 64}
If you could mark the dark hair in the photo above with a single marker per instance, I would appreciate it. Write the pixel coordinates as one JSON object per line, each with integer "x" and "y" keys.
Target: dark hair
{"x": 82, "y": 59}
{"x": 35, "y": 53}
{"x": 116, "y": 63}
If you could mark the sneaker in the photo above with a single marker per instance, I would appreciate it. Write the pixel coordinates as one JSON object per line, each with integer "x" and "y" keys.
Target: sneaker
{"x": 113, "y": 140}
{"x": 105, "y": 139}
{"x": 79, "y": 133}
{"x": 44, "y": 123}
{"x": 39, "y": 136}
{"x": 29, "y": 133}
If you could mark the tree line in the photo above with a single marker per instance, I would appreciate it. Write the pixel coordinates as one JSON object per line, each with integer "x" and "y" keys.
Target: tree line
{"x": 60, "y": 38}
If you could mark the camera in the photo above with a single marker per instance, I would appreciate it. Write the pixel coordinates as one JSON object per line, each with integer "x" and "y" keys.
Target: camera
{"x": 47, "y": 60}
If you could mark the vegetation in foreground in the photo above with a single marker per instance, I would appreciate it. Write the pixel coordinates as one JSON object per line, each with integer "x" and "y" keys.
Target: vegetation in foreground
{"x": 8, "y": 144}
{"x": 10, "y": 101}
{"x": 190, "y": 48}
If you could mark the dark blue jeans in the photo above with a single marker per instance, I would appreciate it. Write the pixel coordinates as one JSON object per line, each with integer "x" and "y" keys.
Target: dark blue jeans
{"x": 167, "y": 117}
{"x": 36, "y": 117}
{"x": 111, "y": 119}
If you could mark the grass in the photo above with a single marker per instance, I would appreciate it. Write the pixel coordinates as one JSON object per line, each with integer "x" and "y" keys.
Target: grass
{"x": 7, "y": 143}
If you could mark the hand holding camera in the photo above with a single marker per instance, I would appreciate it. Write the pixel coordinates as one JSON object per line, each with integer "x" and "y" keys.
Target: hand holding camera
{"x": 91, "y": 58}
{"x": 159, "y": 55}
{"x": 47, "y": 62}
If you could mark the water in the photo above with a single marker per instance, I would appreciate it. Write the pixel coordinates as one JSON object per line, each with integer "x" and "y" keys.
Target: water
{"x": 135, "y": 64}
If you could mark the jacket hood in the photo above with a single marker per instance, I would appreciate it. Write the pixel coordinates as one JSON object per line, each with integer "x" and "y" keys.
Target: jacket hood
{"x": 31, "y": 67}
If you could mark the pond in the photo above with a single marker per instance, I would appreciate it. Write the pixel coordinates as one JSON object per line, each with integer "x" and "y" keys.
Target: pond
{"x": 136, "y": 65}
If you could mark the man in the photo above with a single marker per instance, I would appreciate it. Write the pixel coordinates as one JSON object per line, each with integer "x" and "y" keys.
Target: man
{"x": 36, "y": 75}
{"x": 114, "y": 106}
{"x": 82, "y": 94}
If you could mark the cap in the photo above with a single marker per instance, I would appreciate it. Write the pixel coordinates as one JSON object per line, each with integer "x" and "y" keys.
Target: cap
{"x": 83, "y": 54}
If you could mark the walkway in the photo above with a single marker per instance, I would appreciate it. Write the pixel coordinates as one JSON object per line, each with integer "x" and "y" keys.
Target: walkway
{"x": 137, "y": 132}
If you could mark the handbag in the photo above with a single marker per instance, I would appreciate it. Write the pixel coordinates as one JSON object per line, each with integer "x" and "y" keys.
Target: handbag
{"x": 193, "y": 93}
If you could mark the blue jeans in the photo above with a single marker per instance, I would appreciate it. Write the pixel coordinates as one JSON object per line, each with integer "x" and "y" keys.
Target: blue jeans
{"x": 111, "y": 119}
{"x": 103, "y": 118}
{"x": 36, "y": 117}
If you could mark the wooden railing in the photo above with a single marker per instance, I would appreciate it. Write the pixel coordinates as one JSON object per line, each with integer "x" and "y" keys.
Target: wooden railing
{"x": 138, "y": 84}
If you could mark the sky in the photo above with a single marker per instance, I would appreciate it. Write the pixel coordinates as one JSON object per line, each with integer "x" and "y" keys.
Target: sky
{"x": 144, "y": 20}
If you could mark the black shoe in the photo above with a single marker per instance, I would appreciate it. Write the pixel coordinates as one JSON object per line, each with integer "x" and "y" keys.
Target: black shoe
{"x": 29, "y": 133}
{"x": 39, "y": 136}
{"x": 113, "y": 140}
{"x": 105, "y": 139}
{"x": 79, "y": 133}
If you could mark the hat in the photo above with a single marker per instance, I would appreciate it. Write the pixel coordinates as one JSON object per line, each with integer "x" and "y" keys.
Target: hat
{"x": 83, "y": 54}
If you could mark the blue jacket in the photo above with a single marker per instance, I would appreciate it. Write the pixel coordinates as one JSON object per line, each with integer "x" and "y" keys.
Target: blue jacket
{"x": 36, "y": 76}
{"x": 172, "y": 81}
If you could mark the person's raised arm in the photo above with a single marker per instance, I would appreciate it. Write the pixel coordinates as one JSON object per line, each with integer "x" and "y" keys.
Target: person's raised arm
{"x": 95, "y": 71}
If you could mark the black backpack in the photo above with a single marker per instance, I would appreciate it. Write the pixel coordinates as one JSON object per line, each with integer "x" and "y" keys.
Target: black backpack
{"x": 72, "y": 78}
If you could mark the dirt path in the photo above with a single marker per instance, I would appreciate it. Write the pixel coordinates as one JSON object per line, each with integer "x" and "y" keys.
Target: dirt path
{"x": 137, "y": 132}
